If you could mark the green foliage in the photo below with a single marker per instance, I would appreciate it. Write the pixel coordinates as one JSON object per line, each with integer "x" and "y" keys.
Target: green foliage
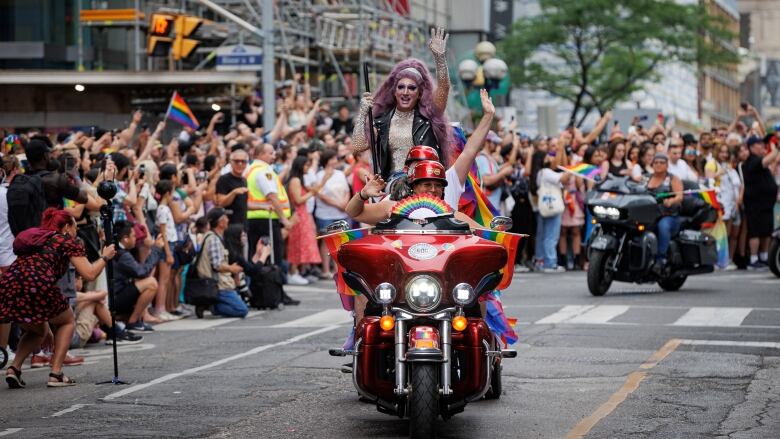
{"x": 594, "y": 53}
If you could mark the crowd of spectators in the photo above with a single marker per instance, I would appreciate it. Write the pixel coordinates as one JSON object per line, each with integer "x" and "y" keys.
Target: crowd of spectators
{"x": 243, "y": 203}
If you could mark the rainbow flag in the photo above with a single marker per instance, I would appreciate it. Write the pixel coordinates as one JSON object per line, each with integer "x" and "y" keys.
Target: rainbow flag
{"x": 719, "y": 232}
{"x": 497, "y": 321}
{"x": 473, "y": 202}
{"x": 179, "y": 111}
{"x": 710, "y": 197}
{"x": 510, "y": 242}
{"x": 583, "y": 170}
{"x": 333, "y": 242}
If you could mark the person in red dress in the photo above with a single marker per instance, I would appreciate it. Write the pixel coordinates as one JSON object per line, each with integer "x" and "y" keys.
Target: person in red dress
{"x": 29, "y": 294}
{"x": 302, "y": 242}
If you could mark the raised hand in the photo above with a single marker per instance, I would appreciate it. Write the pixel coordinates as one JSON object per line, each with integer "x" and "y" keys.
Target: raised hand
{"x": 374, "y": 187}
{"x": 438, "y": 42}
{"x": 487, "y": 102}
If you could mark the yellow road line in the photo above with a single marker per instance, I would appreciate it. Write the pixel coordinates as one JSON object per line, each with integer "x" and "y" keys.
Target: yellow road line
{"x": 629, "y": 386}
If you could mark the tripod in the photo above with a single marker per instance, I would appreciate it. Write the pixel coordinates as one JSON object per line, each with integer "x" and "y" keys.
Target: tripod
{"x": 106, "y": 215}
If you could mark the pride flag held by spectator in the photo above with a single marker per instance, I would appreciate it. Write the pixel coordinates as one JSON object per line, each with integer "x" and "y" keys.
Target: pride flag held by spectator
{"x": 583, "y": 170}
{"x": 179, "y": 111}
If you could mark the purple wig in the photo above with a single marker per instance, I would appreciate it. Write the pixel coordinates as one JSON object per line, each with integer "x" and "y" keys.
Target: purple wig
{"x": 384, "y": 101}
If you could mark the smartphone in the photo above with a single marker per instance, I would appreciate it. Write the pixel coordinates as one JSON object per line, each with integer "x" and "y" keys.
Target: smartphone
{"x": 141, "y": 171}
{"x": 643, "y": 117}
{"x": 265, "y": 240}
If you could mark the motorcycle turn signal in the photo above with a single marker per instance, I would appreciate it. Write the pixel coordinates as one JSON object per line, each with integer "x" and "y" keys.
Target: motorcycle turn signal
{"x": 387, "y": 322}
{"x": 459, "y": 323}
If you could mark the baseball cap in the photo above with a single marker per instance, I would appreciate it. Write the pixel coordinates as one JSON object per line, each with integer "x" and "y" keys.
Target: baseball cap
{"x": 493, "y": 137}
{"x": 36, "y": 150}
{"x": 216, "y": 213}
{"x": 752, "y": 140}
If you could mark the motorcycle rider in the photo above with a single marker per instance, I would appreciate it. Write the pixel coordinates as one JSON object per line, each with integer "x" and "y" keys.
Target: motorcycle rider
{"x": 662, "y": 182}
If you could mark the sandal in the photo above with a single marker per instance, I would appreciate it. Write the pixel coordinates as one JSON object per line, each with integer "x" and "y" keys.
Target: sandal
{"x": 61, "y": 380}
{"x": 14, "y": 381}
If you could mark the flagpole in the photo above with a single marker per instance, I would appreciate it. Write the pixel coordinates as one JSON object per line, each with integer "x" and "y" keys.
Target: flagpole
{"x": 576, "y": 174}
{"x": 170, "y": 104}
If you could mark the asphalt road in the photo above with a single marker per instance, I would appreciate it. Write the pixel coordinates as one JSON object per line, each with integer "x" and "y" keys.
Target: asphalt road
{"x": 638, "y": 363}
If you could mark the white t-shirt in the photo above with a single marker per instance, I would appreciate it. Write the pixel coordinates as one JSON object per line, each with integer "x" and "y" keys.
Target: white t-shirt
{"x": 309, "y": 179}
{"x": 337, "y": 187}
{"x": 165, "y": 216}
{"x": 454, "y": 188}
{"x": 7, "y": 256}
{"x": 548, "y": 176}
{"x": 682, "y": 171}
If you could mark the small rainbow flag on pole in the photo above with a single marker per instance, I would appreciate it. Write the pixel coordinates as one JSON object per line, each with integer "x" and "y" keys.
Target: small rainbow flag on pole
{"x": 179, "y": 111}
{"x": 710, "y": 197}
{"x": 583, "y": 170}
{"x": 509, "y": 241}
{"x": 333, "y": 242}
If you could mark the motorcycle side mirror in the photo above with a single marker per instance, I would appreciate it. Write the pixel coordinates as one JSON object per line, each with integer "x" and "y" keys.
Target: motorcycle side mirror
{"x": 501, "y": 223}
{"x": 338, "y": 226}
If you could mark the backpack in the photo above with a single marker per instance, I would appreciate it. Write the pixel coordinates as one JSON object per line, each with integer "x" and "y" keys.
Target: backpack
{"x": 26, "y": 202}
{"x": 266, "y": 285}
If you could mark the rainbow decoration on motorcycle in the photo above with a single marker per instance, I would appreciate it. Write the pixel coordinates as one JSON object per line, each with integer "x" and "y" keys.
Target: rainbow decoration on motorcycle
{"x": 421, "y": 206}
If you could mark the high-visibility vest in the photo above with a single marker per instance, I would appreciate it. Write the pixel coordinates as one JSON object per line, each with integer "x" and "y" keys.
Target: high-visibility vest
{"x": 256, "y": 195}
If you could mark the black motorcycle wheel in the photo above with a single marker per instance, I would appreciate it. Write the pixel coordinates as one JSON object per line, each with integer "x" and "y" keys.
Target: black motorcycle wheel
{"x": 774, "y": 257}
{"x": 424, "y": 404}
{"x": 495, "y": 383}
{"x": 3, "y": 358}
{"x": 599, "y": 279}
{"x": 672, "y": 284}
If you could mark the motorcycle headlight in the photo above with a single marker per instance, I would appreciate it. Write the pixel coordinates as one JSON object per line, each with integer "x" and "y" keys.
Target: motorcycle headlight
{"x": 423, "y": 293}
{"x": 384, "y": 293}
{"x": 463, "y": 294}
{"x": 612, "y": 213}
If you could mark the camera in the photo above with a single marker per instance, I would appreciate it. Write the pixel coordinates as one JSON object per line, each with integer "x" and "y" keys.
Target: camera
{"x": 141, "y": 171}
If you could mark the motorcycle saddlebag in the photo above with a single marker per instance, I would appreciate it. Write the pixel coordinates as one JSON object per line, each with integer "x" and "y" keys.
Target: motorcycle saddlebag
{"x": 698, "y": 248}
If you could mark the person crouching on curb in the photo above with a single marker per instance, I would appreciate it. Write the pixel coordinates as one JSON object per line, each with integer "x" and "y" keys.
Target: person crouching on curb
{"x": 29, "y": 294}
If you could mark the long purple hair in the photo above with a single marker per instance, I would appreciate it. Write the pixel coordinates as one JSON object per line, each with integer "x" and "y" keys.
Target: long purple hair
{"x": 384, "y": 101}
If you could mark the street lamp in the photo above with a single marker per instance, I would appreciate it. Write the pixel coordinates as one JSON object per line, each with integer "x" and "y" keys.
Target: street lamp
{"x": 487, "y": 72}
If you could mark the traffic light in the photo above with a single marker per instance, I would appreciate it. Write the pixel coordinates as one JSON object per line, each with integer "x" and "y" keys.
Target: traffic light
{"x": 184, "y": 27}
{"x": 159, "y": 42}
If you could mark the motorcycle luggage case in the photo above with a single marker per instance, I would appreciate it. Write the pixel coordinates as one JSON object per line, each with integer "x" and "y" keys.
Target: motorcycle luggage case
{"x": 697, "y": 248}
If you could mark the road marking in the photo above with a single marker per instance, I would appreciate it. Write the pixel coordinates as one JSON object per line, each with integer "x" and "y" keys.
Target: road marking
{"x": 748, "y": 344}
{"x": 193, "y": 324}
{"x": 70, "y": 409}
{"x": 9, "y": 431}
{"x": 565, "y": 313}
{"x": 599, "y": 314}
{"x": 631, "y": 384}
{"x": 713, "y": 317}
{"x": 333, "y": 316}
{"x": 138, "y": 387}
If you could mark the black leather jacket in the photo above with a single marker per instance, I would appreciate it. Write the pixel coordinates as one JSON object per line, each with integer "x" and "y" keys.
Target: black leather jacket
{"x": 422, "y": 134}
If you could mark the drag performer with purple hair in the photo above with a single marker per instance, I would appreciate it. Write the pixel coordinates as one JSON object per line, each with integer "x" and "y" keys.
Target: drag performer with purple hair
{"x": 408, "y": 110}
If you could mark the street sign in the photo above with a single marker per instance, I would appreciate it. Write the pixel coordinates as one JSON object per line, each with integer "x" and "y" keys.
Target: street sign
{"x": 239, "y": 58}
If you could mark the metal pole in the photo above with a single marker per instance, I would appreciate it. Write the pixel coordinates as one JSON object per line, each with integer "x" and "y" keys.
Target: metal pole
{"x": 137, "y": 39}
{"x": 269, "y": 89}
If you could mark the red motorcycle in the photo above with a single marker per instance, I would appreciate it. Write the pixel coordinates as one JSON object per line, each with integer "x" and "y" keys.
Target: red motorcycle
{"x": 423, "y": 349}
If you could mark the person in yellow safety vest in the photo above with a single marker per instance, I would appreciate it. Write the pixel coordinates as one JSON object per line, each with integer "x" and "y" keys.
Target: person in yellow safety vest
{"x": 267, "y": 205}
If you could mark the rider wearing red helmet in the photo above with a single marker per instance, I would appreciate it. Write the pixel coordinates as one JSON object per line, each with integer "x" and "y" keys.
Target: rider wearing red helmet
{"x": 420, "y": 152}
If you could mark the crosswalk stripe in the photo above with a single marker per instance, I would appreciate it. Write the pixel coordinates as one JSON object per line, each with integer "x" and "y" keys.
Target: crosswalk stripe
{"x": 565, "y": 313}
{"x": 323, "y": 318}
{"x": 600, "y": 314}
{"x": 192, "y": 324}
{"x": 713, "y": 317}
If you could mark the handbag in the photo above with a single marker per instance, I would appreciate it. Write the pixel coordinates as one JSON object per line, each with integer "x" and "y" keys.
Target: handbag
{"x": 550, "y": 200}
{"x": 197, "y": 290}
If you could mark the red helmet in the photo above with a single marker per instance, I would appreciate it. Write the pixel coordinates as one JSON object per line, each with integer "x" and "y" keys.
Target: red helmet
{"x": 426, "y": 170}
{"x": 421, "y": 152}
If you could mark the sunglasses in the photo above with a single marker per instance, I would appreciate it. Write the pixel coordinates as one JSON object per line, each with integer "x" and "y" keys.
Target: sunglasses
{"x": 239, "y": 162}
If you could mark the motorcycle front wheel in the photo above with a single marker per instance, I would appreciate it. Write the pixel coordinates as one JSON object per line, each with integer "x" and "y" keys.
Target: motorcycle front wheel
{"x": 495, "y": 383}
{"x": 672, "y": 284}
{"x": 599, "y": 279}
{"x": 774, "y": 257}
{"x": 424, "y": 404}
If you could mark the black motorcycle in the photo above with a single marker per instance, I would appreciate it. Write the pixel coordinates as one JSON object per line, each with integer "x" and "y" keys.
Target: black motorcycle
{"x": 623, "y": 246}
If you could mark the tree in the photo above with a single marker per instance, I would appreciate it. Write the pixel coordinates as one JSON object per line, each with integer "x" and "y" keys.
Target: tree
{"x": 594, "y": 53}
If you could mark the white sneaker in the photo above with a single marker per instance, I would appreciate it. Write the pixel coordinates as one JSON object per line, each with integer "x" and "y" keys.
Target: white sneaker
{"x": 556, "y": 269}
{"x": 168, "y": 317}
{"x": 519, "y": 268}
{"x": 731, "y": 267}
{"x": 297, "y": 279}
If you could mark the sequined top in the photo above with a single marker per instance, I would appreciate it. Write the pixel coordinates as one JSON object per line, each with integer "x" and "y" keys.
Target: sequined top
{"x": 400, "y": 137}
